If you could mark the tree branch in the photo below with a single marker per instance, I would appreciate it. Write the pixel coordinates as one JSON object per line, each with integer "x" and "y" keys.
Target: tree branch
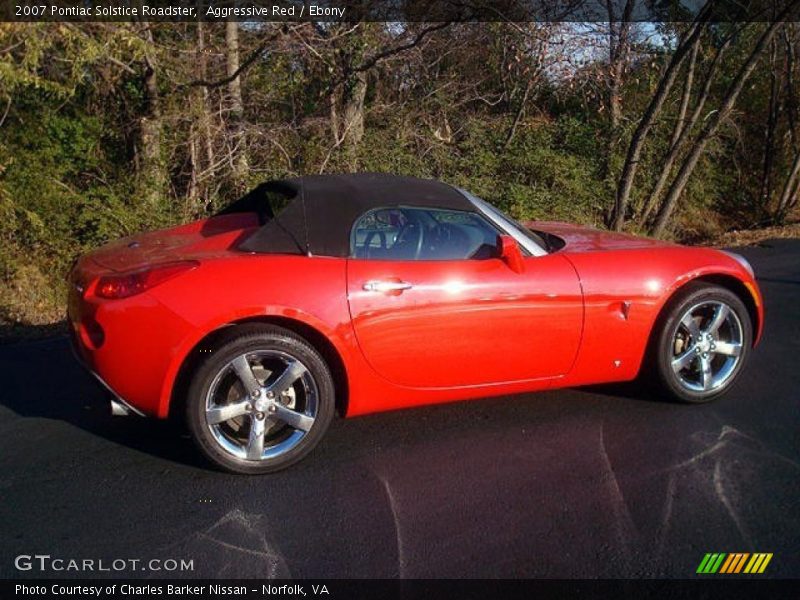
{"x": 365, "y": 66}
{"x": 246, "y": 63}
{"x": 374, "y": 60}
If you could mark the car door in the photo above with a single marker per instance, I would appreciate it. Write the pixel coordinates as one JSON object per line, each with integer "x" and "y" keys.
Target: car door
{"x": 445, "y": 311}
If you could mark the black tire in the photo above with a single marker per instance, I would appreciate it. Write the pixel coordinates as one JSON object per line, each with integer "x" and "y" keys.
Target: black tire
{"x": 674, "y": 341}
{"x": 265, "y": 345}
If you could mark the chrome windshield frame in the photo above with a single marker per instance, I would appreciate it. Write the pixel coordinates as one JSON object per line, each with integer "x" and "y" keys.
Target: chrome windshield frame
{"x": 504, "y": 223}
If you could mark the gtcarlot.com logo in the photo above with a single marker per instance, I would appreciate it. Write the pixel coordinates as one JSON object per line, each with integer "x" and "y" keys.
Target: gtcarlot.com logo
{"x": 45, "y": 562}
{"x": 723, "y": 563}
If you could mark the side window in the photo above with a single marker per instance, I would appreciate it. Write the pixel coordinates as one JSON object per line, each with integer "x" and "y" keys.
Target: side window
{"x": 422, "y": 234}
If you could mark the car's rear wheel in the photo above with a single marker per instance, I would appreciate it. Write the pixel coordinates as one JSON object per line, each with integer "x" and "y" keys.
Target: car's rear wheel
{"x": 704, "y": 343}
{"x": 261, "y": 401}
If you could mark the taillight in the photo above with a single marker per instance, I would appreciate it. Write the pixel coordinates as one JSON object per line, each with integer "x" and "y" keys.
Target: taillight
{"x": 124, "y": 285}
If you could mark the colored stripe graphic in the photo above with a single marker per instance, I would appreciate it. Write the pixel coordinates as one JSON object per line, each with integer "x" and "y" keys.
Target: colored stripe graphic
{"x": 711, "y": 563}
{"x": 729, "y": 562}
{"x": 758, "y": 563}
{"x": 741, "y": 562}
{"x": 703, "y": 563}
{"x": 757, "y": 558}
{"x": 734, "y": 559}
{"x": 765, "y": 563}
{"x": 717, "y": 564}
{"x": 738, "y": 563}
{"x": 734, "y": 562}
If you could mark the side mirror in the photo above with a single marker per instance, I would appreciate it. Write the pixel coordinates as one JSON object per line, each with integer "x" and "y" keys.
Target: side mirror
{"x": 509, "y": 252}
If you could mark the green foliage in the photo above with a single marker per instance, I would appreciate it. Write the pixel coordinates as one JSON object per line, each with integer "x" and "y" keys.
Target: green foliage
{"x": 74, "y": 173}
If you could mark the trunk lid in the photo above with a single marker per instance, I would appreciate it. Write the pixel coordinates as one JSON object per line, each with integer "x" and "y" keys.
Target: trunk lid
{"x": 201, "y": 239}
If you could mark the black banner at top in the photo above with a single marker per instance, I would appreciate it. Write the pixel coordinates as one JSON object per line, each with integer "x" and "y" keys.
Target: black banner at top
{"x": 396, "y": 10}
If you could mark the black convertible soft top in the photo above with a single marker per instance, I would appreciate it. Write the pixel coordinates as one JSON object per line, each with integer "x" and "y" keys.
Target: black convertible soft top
{"x": 320, "y": 210}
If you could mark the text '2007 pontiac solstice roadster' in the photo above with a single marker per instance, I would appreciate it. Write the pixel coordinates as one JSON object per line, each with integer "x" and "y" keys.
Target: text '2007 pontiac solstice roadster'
{"x": 369, "y": 292}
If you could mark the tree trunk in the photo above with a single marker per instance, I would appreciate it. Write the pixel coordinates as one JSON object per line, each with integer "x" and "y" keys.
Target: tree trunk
{"x": 637, "y": 141}
{"x": 618, "y": 55}
{"x": 205, "y": 113}
{"x": 788, "y": 198}
{"x": 682, "y": 178}
{"x": 200, "y": 137}
{"x": 353, "y": 109}
{"x": 520, "y": 113}
{"x": 769, "y": 134}
{"x": 152, "y": 171}
{"x": 677, "y": 145}
{"x": 193, "y": 193}
{"x": 347, "y": 111}
{"x": 618, "y": 47}
{"x": 238, "y": 151}
{"x": 687, "y": 94}
{"x": 791, "y": 98}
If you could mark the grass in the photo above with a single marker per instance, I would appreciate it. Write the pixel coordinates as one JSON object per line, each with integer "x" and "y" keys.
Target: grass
{"x": 749, "y": 237}
{"x": 31, "y": 307}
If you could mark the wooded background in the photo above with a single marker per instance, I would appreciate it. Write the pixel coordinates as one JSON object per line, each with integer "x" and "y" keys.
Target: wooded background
{"x": 679, "y": 130}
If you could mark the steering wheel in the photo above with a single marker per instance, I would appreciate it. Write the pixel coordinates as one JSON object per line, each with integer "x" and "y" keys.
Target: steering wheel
{"x": 368, "y": 242}
{"x": 405, "y": 233}
{"x": 442, "y": 235}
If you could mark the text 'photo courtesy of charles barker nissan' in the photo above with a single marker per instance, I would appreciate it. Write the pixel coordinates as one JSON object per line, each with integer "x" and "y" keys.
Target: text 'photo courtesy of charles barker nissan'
{"x": 181, "y": 590}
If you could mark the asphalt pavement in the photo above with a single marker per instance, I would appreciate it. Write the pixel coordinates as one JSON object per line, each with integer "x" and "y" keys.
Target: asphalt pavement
{"x": 600, "y": 482}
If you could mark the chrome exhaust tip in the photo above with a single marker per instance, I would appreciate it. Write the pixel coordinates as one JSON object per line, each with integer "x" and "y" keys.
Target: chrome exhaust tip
{"x": 119, "y": 410}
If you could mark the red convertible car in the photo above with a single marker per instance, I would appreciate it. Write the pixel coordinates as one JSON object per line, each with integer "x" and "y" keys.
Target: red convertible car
{"x": 363, "y": 293}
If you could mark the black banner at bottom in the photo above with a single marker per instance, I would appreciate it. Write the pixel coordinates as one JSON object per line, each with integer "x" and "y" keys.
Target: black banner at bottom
{"x": 345, "y": 589}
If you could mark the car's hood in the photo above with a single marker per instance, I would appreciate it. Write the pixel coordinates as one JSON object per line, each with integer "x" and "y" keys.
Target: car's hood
{"x": 581, "y": 238}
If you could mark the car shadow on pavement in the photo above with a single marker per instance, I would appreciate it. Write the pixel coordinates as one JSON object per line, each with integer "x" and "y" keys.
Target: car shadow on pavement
{"x": 632, "y": 390}
{"x": 491, "y": 488}
{"x": 42, "y": 379}
{"x": 16, "y": 332}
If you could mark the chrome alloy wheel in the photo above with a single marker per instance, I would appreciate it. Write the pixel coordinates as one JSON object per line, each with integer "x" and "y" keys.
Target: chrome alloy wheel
{"x": 261, "y": 405}
{"x": 707, "y": 346}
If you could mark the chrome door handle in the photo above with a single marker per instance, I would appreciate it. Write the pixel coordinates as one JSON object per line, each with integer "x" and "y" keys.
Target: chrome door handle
{"x": 387, "y": 286}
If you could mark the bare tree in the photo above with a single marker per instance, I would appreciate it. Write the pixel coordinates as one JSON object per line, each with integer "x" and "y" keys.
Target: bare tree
{"x": 619, "y": 32}
{"x": 711, "y": 127}
{"x": 640, "y": 135}
{"x": 683, "y": 129}
{"x": 153, "y": 176}
{"x": 238, "y": 150}
{"x": 347, "y": 96}
{"x": 788, "y": 198}
{"x": 524, "y": 63}
{"x": 680, "y": 122}
{"x": 351, "y": 66}
{"x": 789, "y": 191}
{"x": 771, "y": 124}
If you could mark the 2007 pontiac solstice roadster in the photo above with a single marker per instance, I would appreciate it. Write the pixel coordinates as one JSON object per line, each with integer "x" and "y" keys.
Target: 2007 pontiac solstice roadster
{"x": 369, "y": 292}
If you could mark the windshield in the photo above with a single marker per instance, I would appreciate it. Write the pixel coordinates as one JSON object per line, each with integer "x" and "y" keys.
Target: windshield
{"x": 530, "y": 240}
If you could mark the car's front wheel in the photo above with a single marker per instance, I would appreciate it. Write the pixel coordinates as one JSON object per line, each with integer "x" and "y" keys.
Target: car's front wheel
{"x": 261, "y": 401}
{"x": 704, "y": 343}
